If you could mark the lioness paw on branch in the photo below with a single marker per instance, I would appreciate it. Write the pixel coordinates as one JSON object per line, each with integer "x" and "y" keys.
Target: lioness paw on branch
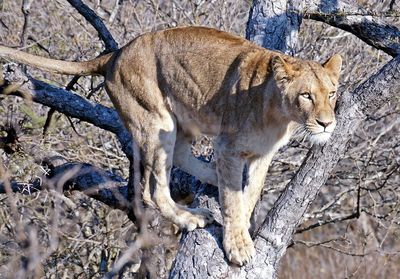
{"x": 172, "y": 85}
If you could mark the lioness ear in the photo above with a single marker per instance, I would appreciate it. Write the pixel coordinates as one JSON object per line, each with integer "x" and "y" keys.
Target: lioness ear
{"x": 333, "y": 65}
{"x": 283, "y": 71}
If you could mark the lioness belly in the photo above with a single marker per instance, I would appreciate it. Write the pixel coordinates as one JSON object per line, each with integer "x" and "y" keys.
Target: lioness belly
{"x": 195, "y": 123}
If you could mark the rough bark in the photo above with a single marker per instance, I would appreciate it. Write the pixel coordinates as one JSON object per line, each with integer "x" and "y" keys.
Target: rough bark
{"x": 273, "y": 25}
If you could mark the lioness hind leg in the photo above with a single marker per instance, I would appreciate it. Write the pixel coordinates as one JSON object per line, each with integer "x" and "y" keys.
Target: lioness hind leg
{"x": 157, "y": 157}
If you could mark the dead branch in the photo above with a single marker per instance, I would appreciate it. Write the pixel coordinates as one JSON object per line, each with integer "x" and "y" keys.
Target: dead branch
{"x": 97, "y": 23}
{"x": 372, "y": 31}
{"x": 17, "y": 83}
{"x": 26, "y": 6}
{"x": 94, "y": 182}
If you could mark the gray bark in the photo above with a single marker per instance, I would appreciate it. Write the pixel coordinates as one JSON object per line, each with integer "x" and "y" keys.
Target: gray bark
{"x": 272, "y": 25}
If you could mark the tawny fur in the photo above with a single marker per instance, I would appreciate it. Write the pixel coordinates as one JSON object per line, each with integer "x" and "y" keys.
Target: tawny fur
{"x": 178, "y": 83}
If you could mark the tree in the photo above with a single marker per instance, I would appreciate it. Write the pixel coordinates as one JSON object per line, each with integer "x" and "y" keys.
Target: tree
{"x": 271, "y": 25}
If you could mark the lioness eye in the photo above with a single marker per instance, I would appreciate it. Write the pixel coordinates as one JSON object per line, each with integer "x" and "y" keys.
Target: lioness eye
{"x": 332, "y": 94}
{"x": 306, "y": 95}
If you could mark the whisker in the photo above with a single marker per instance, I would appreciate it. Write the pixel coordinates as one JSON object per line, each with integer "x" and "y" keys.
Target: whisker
{"x": 301, "y": 133}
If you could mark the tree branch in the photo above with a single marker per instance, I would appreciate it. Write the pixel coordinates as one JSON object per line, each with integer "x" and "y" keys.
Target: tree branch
{"x": 97, "y": 23}
{"x": 369, "y": 28}
{"x": 92, "y": 181}
{"x": 372, "y": 31}
{"x": 285, "y": 16}
{"x": 18, "y": 83}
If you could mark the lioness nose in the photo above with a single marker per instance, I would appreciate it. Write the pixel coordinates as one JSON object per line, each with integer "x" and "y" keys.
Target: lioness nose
{"x": 323, "y": 123}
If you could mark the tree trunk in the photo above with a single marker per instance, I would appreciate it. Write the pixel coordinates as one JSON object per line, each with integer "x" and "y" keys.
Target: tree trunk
{"x": 272, "y": 25}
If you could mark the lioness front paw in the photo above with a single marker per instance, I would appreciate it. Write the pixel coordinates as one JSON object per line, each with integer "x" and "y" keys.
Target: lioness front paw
{"x": 194, "y": 218}
{"x": 238, "y": 245}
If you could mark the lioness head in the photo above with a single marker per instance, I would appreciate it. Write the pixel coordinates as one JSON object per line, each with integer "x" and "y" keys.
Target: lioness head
{"x": 309, "y": 93}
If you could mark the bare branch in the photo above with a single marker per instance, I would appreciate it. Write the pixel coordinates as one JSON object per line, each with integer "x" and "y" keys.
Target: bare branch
{"x": 26, "y": 6}
{"x": 117, "y": 7}
{"x": 92, "y": 181}
{"x": 366, "y": 25}
{"x": 372, "y": 31}
{"x": 56, "y": 98}
{"x": 353, "y": 215}
{"x": 97, "y": 23}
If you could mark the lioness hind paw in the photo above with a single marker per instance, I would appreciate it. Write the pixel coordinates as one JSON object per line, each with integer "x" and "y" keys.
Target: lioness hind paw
{"x": 196, "y": 218}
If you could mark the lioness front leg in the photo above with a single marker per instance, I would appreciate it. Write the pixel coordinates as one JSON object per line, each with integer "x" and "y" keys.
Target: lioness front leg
{"x": 258, "y": 169}
{"x": 238, "y": 245}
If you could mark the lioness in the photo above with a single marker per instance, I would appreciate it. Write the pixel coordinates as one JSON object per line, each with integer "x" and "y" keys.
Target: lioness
{"x": 169, "y": 86}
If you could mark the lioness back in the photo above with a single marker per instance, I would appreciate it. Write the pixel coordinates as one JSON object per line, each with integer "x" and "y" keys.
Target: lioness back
{"x": 201, "y": 72}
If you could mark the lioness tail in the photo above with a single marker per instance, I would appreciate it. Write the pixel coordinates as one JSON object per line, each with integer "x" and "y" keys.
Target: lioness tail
{"x": 91, "y": 67}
